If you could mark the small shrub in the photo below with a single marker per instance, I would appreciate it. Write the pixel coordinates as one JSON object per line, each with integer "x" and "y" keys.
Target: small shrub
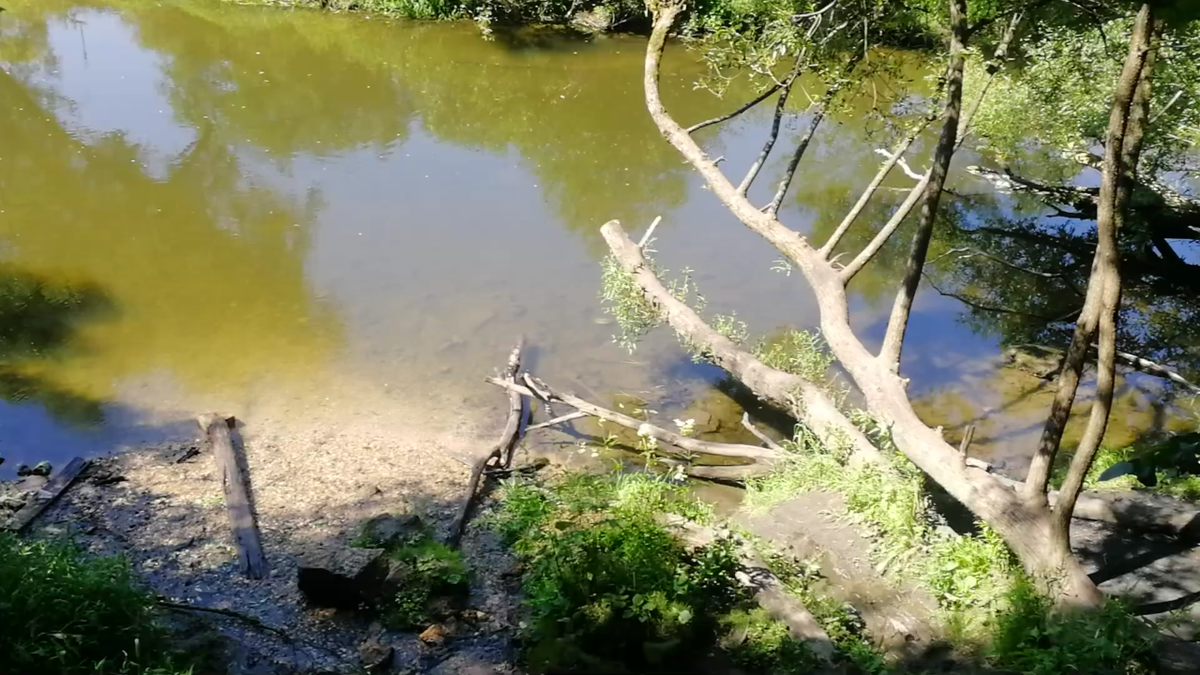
{"x": 1033, "y": 639}
{"x": 759, "y": 644}
{"x": 63, "y": 613}
{"x": 426, "y": 570}
{"x": 797, "y": 352}
{"x": 606, "y": 585}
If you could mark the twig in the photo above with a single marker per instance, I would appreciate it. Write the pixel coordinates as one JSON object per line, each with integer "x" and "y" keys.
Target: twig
{"x": 649, "y": 232}
{"x": 758, "y": 434}
{"x": 244, "y": 618}
{"x": 557, "y": 420}
{"x": 1151, "y": 368}
{"x": 801, "y": 147}
{"x": 780, "y": 105}
{"x": 717, "y": 120}
{"x": 968, "y": 436}
{"x": 690, "y": 445}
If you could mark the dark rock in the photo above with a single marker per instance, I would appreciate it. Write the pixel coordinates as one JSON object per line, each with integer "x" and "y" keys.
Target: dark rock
{"x": 341, "y": 576}
{"x": 41, "y": 469}
{"x": 24, "y": 470}
{"x": 390, "y": 529}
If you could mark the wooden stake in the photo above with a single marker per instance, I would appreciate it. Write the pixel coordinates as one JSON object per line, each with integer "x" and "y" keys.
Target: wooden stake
{"x": 216, "y": 428}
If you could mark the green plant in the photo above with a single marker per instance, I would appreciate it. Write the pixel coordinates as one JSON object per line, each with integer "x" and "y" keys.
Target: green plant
{"x": 62, "y": 612}
{"x": 798, "y": 352}
{"x": 968, "y": 574}
{"x": 1167, "y": 465}
{"x": 1030, "y": 637}
{"x": 423, "y": 570}
{"x": 606, "y": 585}
{"x": 759, "y": 644}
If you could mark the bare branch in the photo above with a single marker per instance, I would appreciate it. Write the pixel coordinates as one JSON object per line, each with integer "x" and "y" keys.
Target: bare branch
{"x": 769, "y": 145}
{"x": 864, "y": 257}
{"x": 758, "y": 434}
{"x": 649, "y": 232}
{"x": 724, "y": 118}
{"x": 893, "y": 340}
{"x": 691, "y": 445}
{"x": 802, "y": 145}
{"x": 1158, "y": 370}
{"x": 844, "y": 226}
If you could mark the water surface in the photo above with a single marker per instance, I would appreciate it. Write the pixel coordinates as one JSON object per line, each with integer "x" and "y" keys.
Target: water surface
{"x": 288, "y": 214}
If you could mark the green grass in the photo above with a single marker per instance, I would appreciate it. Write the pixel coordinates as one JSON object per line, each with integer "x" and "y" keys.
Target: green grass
{"x": 1033, "y": 639}
{"x": 609, "y": 589}
{"x": 64, "y": 613}
{"x": 1168, "y": 481}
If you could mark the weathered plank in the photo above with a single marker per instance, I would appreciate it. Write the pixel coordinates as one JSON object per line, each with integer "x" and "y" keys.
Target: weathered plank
{"x": 216, "y": 428}
{"x": 51, "y": 491}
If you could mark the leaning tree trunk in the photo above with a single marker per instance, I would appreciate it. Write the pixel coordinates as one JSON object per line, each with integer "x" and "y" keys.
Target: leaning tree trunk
{"x": 1122, "y": 149}
{"x": 1029, "y": 529}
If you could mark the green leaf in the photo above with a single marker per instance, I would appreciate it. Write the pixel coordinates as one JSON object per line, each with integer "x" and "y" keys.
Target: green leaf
{"x": 1117, "y": 470}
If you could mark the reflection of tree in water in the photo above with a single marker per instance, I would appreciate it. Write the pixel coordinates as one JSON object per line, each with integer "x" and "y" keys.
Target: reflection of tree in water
{"x": 37, "y": 320}
{"x": 1023, "y": 278}
{"x": 204, "y": 266}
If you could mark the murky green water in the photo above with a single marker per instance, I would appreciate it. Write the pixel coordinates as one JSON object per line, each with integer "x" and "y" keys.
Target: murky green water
{"x": 285, "y": 214}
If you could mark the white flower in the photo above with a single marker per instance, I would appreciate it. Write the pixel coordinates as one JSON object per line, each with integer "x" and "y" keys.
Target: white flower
{"x": 686, "y": 427}
{"x": 646, "y": 431}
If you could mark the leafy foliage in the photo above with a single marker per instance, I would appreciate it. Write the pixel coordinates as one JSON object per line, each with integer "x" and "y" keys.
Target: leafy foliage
{"x": 798, "y": 352}
{"x": 1165, "y": 465}
{"x": 62, "y": 613}
{"x": 426, "y": 570}
{"x": 605, "y": 583}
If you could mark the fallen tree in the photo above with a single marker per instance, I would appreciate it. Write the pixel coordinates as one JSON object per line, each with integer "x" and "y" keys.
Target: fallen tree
{"x": 1034, "y": 530}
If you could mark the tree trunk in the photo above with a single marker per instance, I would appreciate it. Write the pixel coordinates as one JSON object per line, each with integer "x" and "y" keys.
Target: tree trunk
{"x": 1101, "y": 300}
{"x": 893, "y": 341}
{"x": 1115, "y": 190}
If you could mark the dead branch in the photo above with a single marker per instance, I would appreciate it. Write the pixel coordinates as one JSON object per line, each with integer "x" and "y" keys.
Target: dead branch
{"x": 893, "y": 341}
{"x": 1158, "y": 370}
{"x": 685, "y": 443}
{"x": 501, "y": 452}
{"x": 237, "y": 494}
{"x": 872, "y": 187}
{"x": 769, "y": 591}
{"x": 758, "y": 434}
{"x": 556, "y": 421}
{"x": 780, "y": 105}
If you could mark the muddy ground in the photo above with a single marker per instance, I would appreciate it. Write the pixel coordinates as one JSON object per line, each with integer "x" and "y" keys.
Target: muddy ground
{"x": 162, "y": 506}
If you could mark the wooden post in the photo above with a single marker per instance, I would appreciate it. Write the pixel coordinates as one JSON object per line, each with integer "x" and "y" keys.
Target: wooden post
{"x": 237, "y": 494}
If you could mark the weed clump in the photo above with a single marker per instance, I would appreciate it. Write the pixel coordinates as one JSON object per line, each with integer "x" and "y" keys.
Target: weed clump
{"x": 426, "y": 577}
{"x": 64, "y": 613}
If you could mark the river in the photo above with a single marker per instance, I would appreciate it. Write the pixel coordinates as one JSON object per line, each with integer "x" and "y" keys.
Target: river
{"x": 293, "y": 215}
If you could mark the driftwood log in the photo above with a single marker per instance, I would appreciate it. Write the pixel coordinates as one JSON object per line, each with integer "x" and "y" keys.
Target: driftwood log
{"x": 217, "y": 430}
{"x": 49, "y": 493}
{"x": 769, "y": 592}
{"x": 501, "y": 453}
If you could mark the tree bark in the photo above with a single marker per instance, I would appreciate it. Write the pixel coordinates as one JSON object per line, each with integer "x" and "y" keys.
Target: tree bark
{"x": 1101, "y": 300}
{"x": 893, "y": 340}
